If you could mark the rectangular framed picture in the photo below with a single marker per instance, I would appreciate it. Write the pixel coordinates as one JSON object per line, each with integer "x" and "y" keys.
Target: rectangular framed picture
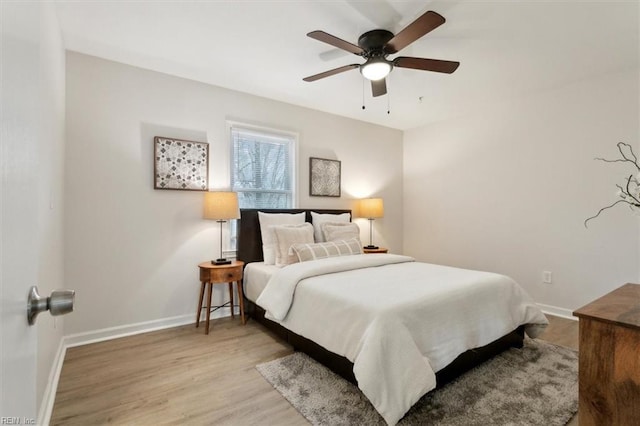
{"x": 324, "y": 177}
{"x": 181, "y": 164}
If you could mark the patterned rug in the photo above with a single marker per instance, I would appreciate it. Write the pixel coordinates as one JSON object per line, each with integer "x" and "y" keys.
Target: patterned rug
{"x": 535, "y": 385}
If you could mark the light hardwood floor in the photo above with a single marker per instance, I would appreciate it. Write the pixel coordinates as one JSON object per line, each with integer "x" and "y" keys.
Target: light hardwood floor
{"x": 182, "y": 376}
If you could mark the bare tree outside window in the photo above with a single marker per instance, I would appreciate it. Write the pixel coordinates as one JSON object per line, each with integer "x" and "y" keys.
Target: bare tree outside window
{"x": 261, "y": 170}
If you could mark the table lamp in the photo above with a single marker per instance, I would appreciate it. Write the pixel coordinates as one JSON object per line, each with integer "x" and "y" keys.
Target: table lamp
{"x": 221, "y": 206}
{"x": 371, "y": 208}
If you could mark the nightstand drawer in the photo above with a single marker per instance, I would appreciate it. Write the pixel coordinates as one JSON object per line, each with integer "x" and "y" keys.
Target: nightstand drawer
{"x": 375, "y": 250}
{"x": 221, "y": 274}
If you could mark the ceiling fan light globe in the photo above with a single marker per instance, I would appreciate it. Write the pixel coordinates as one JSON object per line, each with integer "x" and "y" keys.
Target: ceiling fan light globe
{"x": 375, "y": 70}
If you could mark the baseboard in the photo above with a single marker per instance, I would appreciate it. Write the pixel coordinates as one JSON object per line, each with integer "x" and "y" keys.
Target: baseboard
{"x": 49, "y": 397}
{"x": 556, "y": 311}
{"x": 101, "y": 335}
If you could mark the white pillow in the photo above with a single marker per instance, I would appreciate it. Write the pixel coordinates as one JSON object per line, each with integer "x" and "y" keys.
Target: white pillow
{"x": 340, "y": 231}
{"x": 306, "y": 252}
{"x": 319, "y": 218}
{"x": 288, "y": 235}
{"x": 268, "y": 236}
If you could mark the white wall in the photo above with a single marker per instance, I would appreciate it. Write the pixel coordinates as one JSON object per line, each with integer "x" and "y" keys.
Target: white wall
{"x": 508, "y": 188}
{"x": 131, "y": 252}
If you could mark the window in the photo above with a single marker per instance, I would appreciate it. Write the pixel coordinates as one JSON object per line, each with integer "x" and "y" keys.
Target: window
{"x": 262, "y": 168}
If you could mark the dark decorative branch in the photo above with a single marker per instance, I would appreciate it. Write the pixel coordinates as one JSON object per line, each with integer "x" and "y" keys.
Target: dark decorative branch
{"x": 628, "y": 195}
{"x": 635, "y": 159}
{"x": 624, "y": 159}
{"x": 608, "y": 207}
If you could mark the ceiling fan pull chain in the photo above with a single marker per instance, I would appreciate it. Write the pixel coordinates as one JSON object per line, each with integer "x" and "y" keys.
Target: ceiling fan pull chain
{"x": 388, "y": 103}
{"x": 363, "y": 94}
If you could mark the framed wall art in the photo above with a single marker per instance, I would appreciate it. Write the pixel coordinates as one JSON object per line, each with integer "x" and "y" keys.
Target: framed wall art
{"x": 324, "y": 177}
{"x": 181, "y": 164}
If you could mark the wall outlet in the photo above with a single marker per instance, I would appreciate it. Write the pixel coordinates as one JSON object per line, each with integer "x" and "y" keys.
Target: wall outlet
{"x": 546, "y": 277}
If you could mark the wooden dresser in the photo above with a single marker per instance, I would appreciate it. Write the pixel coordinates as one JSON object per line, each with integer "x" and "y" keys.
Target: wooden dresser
{"x": 610, "y": 358}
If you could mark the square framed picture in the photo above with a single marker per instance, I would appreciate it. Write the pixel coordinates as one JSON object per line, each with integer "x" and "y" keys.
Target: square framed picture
{"x": 324, "y": 177}
{"x": 181, "y": 164}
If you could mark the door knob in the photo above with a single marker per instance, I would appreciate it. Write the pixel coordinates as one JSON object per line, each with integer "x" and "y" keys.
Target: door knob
{"x": 59, "y": 303}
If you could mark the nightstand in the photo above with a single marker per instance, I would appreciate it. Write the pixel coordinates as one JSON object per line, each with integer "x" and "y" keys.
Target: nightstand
{"x": 376, "y": 250}
{"x": 211, "y": 274}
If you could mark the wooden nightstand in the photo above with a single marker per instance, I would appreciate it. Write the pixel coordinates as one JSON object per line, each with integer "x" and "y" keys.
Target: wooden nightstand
{"x": 376, "y": 250}
{"x": 220, "y": 274}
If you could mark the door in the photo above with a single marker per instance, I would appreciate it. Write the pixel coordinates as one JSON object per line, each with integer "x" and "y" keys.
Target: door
{"x": 19, "y": 139}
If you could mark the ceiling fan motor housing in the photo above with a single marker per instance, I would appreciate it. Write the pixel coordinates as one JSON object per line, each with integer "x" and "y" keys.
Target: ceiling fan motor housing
{"x": 373, "y": 42}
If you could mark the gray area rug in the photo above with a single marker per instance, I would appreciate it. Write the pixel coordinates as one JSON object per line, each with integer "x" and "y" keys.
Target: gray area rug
{"x": 535, "y": 385}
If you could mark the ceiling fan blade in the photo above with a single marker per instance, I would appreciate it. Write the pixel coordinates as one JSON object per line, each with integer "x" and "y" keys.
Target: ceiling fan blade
{"x": 379, "y": 87}
{"x": 425, "y": 64}
{"x": 335, "y": 42}
{"x": 331, "y": 72}
{"x": 421, "y": 26}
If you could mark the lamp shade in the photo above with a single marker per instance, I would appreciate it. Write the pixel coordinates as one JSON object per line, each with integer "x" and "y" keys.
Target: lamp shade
{"x": 219, "y": 205}
{"x": 371, "y": 208}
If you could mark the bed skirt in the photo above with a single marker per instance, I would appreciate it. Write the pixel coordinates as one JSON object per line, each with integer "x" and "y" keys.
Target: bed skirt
{"x": 342, "y": 366}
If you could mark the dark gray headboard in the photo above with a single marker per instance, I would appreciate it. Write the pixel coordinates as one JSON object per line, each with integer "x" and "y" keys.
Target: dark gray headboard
{"x": 250, "y": 238}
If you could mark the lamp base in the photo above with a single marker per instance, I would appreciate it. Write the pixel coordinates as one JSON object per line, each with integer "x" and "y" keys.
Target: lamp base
{"x": 370, "y": 247}
{"x": 221, "y": 262}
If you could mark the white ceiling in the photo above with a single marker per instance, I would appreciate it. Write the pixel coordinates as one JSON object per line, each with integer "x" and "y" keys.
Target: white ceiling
{"x": 506, "y": 49}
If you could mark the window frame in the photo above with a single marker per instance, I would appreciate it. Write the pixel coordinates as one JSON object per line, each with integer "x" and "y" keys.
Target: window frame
{"x": 293, "y": 163}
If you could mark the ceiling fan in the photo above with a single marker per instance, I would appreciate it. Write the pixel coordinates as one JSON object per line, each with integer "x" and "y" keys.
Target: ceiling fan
{"x": 376, "y": 45}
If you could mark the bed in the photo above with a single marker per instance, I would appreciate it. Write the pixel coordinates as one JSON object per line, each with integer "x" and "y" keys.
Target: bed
{"x": 346, "y": 289}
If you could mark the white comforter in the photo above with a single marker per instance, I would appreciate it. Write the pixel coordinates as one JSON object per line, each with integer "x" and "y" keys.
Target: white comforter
{"x": 397, "y": 320}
